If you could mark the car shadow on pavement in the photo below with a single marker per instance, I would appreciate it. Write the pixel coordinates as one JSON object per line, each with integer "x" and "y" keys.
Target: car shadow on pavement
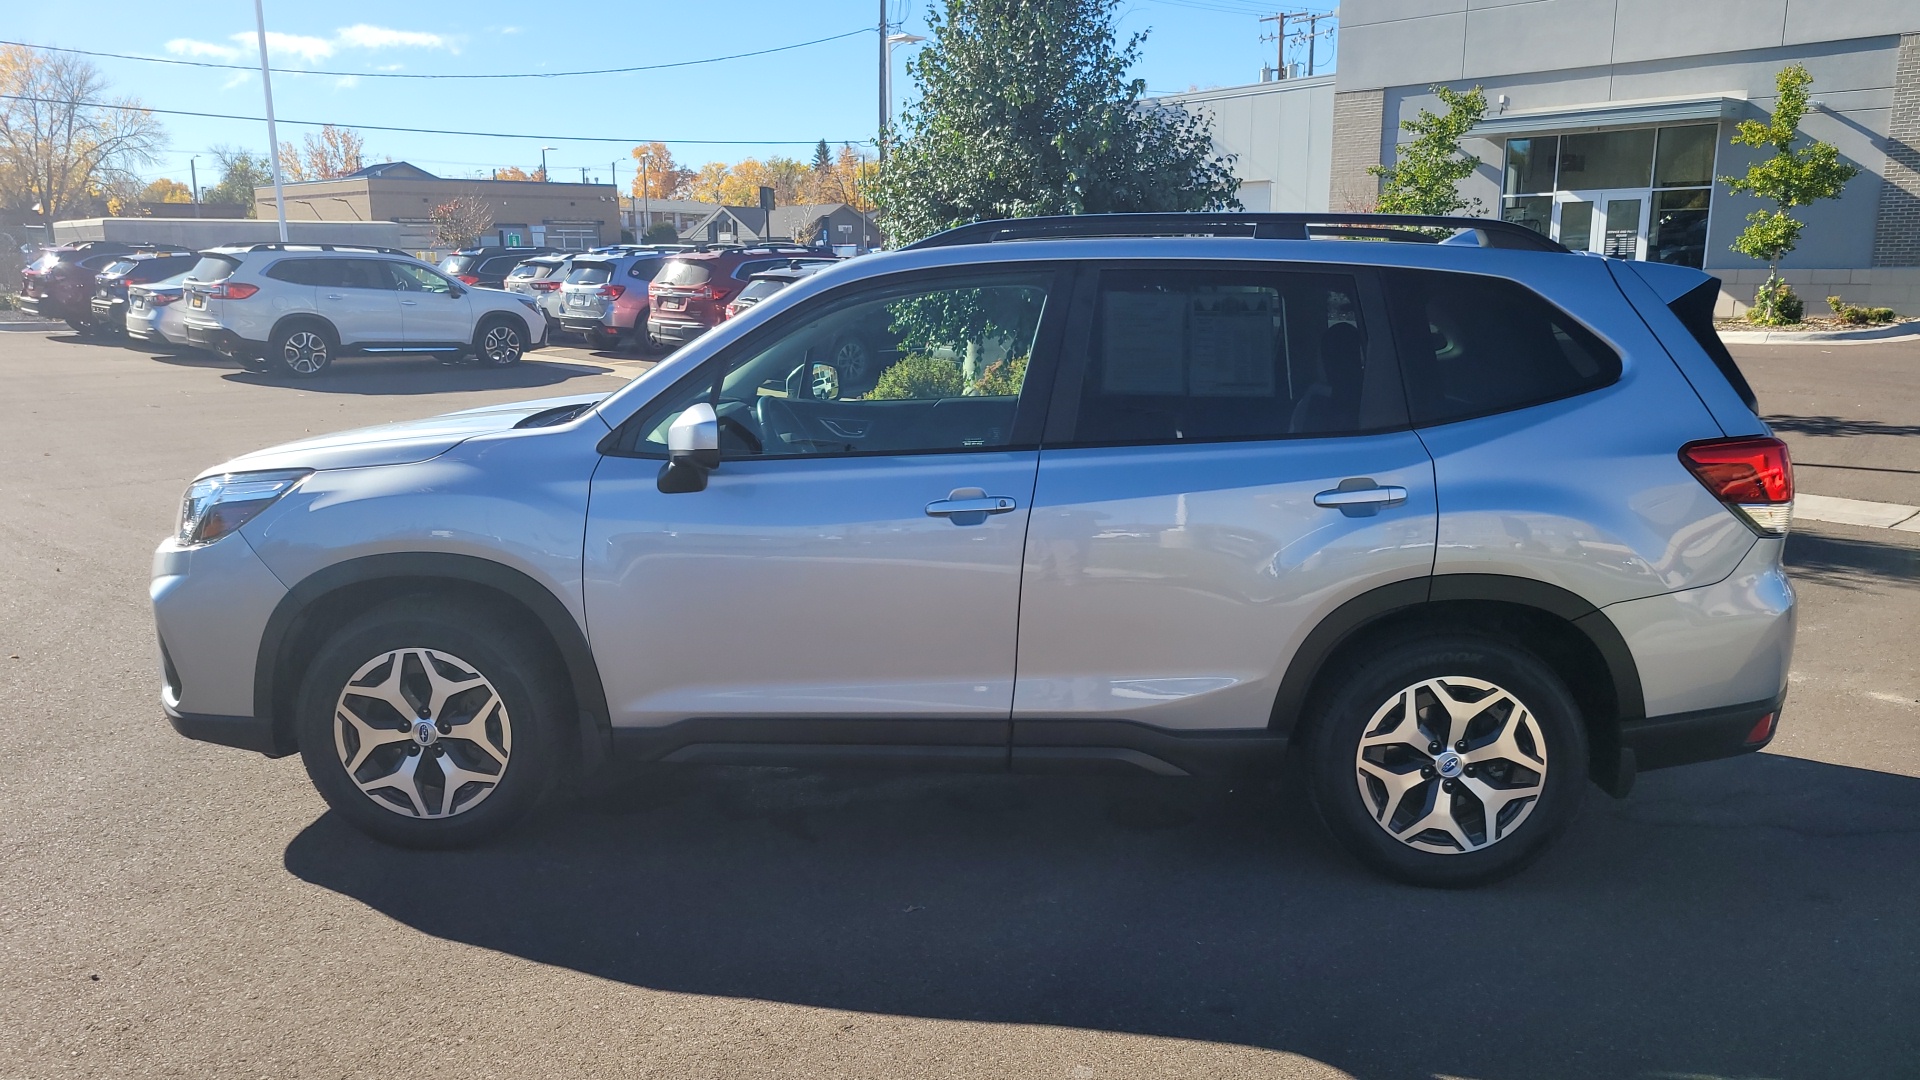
{"x": 1848, "y": 562}
{"x": 1753, "y": 917}
{"x": 387, "y": 377}
{"x": 1839, "y": 426}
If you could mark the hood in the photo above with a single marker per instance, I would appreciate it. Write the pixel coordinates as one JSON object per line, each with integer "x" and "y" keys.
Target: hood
{"x": 398, "y": 443}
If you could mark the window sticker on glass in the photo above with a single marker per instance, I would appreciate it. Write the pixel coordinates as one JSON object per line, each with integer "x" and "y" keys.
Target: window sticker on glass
{"x": 1232, "y": 338}
{"x": 1145, "y": 336}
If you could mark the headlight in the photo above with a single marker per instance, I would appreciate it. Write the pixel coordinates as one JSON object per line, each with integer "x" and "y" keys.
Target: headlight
{"x": 528, "y": 301}
{"x": 217, "y": 505}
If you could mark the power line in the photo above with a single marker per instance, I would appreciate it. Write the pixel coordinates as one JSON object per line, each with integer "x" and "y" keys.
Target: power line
{"x": 424, "y": 131}
{"x": 416, "y": 75}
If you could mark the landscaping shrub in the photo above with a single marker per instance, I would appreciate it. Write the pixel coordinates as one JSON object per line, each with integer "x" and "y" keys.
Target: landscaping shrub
{"x": 918, "y": 377}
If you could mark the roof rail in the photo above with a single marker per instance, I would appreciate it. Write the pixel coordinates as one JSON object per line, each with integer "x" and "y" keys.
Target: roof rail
{"x": 1490, "y": 232}
{"x": 276, "y": 246}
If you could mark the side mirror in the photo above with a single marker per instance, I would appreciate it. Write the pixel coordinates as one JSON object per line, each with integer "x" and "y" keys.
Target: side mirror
{"x": 456, "y": 292}
{"x": 693, "y": 450}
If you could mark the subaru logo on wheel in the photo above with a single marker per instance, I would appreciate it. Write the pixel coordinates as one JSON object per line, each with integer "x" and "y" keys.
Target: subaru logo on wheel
{"x": 425, "y": 733}
{"x": 1449, "y": 764}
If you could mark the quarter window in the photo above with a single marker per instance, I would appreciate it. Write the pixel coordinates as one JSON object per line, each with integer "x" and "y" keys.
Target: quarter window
{"x": 1212, "y": 356}
{"x": 1472, "y": 345}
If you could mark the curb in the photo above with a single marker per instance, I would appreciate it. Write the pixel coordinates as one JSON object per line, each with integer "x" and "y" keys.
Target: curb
{"x": 1893, "y": 332}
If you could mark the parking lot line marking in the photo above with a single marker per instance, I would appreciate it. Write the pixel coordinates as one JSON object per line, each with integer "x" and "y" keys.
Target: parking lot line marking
{"x": 1873, "y": 515}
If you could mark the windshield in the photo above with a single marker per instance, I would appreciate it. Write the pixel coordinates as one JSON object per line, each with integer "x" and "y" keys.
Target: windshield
{"x": 458, "y": 264}
{"x": 524, "y": 270}
{"x": 213, "y": 268}
{"x": 682, "y": 272}
{"x": 589, "y": 274}
{"x": 118, "y": 266}
{"x": 761, "y": 289}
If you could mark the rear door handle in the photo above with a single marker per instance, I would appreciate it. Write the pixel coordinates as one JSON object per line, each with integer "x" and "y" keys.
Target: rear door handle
{"x": 335, "y": 296}
{"x": 1360, "y": 497}
{"x": 409, "y": 303}
{"x": 989, "y": 504}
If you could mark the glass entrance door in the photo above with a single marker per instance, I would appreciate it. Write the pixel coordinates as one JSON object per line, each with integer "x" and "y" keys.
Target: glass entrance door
{"x": 1605, "y": 222}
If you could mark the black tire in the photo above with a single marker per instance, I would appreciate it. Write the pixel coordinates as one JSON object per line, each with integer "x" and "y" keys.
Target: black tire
{"x": 499, "y": 341}
{"x": 84, "y": 327}
{"x": 853, "y": 356}
{"x": 464, "y": 639}
{"x": 256, "y": 364}
{"x": 303, "y": 349}
{"x": 1351, "y": 799}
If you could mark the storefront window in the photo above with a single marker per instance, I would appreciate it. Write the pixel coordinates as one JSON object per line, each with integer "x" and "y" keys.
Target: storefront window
{"x": 1530, "y": 164}
{"x": 1685, "y": 158}
{"x": 1606, "y": 159}
{"x": 1533, "y": 211}
{"x": 1678, "y": 233}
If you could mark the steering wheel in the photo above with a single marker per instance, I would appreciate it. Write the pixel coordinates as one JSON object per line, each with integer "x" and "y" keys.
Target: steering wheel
{"x": 776, "y": 416}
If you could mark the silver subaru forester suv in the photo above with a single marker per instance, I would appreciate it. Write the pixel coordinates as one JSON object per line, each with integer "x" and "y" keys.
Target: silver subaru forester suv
{"x": 1458, "y": 526}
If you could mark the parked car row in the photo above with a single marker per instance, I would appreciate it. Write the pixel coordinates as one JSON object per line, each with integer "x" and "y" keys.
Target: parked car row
{"x": 291, "y": 308}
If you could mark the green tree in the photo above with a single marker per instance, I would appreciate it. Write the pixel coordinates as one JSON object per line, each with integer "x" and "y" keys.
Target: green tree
{"x": 240, "y": 173}
{"x": 1790, "y": 178}
{"x": 1025, "y": 108}
{"x": 1427, "y": 169}
{"x": 661, "y": 232}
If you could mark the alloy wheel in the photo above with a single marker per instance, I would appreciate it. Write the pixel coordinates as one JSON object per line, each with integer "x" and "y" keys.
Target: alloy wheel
{"x": 304, "y": 353}
{"x": 501, "y": 345}
{"x": 1451, "y": 765}
{"x": 853, "y": 359}
{"x": 422, "y": 733}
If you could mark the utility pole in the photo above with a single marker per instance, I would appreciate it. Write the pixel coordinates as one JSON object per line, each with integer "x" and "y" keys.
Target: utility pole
{"x": 1279, "y": 37}
{"x": 273, "y": 136}
{"x": 193, "y": 174}
{"x": 646, "y": 195}
{"x": 1313, "y": 39}
{"x": 883, "y": 80}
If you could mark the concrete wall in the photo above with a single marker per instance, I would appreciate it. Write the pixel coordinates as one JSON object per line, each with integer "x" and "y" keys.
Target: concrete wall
{"x": 1280, "y": 135}
{"x": 402, "y": 199}
{"x": 211, "y": 232}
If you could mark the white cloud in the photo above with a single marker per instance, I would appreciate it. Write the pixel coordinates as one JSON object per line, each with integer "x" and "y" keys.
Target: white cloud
{"x": 310, "y": 49}
{"x": 238, "y": 78}
{"x": 363, "y": 36}
{"x": 190, "y": 47}
{"x": 389, "y": 67}
{"x": 509, "y": 29}
{"x": 346, "y": 82}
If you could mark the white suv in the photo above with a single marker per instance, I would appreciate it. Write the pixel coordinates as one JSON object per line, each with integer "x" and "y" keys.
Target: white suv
{"x": 297, "y": 307}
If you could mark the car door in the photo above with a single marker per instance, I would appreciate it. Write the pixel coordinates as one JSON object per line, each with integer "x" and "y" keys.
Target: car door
{"x": 854, "y": 562}
{"x": 435, "y": 312}
{"x": 358, "y": 298}
{"x": 1228, "y": 461}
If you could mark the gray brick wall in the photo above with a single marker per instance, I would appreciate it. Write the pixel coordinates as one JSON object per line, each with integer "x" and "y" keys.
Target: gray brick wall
{"x": 1896, "y": 234}
{"x": 1358, "y": 117}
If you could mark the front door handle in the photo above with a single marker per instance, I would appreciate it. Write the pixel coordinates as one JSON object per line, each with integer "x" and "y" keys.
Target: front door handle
{"x": 1360, "y": 497}
{"x": 969, "y": 506}
{"x": 409, "y": 303}
{"x": 335, "y": 296}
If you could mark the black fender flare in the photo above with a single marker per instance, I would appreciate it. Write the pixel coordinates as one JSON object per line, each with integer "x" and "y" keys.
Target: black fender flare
{"x": 325, "y": 324}
{"x": 1354, "y": 616}
{"x": 583, "y": 671}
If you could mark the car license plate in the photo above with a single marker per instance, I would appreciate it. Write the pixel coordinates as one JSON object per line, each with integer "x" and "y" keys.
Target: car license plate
{"x": 139, "y": 303}
{"x": 580, "y": 300}
{"x": 199, "y": 301}
{"x": 673, "y": 305}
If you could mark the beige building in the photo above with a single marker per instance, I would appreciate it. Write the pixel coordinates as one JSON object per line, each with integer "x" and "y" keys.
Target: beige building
{"x": 572, "y": 217}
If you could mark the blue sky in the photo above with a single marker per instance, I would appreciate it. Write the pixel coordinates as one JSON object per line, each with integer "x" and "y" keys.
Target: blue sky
{"x": 777, "y": 104}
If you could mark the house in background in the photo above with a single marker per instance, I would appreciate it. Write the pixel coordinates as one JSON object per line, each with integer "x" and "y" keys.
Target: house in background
{"x": 835, "y": 225}
{"x": 639, "y": 215}
{"x": 572, "y": 217}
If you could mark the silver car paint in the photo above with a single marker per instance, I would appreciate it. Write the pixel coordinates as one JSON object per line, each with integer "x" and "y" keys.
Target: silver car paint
{"x": 807, "y": 587}
{"x": 1171, "y": 584}
{"x": 1728, "y": 643}
{"x": 211, "y": 604}
{"x": 521, "y": 498}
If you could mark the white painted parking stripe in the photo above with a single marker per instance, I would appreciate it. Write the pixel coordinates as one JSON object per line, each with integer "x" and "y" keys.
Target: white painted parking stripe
{"x": 1873, "y": 515}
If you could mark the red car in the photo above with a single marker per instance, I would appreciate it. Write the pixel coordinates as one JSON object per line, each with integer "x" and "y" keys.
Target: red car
{"x": 691, "y": 292}
{"x": 59, "y": 284}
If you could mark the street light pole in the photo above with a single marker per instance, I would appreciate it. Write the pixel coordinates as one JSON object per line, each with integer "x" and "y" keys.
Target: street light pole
{"x": 885, "y": 50}
{"x": 543, "y": 162}
{"x": 193, "y": 175}
{"x": 273, "y": 135}
{"x": 886, "y": 81}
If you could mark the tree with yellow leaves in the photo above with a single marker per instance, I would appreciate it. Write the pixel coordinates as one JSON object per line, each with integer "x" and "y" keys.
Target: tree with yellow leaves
{"x": 63, "y": 141}
{"x": 656, "y": 175}
{"x": 327, "y": 154}
{"x": 164, "y": 190}
{"x": 515, "y": 172}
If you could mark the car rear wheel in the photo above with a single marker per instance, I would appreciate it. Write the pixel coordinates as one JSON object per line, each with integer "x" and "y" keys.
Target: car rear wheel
{"x": 1447, "y": 761}
{"x": 854, "y": 359}
{"x": 302, "y": 350}
{"x": 431, "y": 725}
{"x": 499, "y": 343}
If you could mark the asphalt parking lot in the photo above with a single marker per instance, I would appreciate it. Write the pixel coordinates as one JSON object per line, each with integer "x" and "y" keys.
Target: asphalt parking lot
{"x": 174, "y": 909}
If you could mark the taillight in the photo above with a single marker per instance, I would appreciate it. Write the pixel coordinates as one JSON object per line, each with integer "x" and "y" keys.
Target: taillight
{"x": 610, "y": 292}
{"x": 468, "y": 279}
{"x": 162, "y": 299}
{"x": 232, "y": 291}
{"x": 730, "y": 312}
{"x": 544, "y": 286}
{"x": 1753, "y": 475}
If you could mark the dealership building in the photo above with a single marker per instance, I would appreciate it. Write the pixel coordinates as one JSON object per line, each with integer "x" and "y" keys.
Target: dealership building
{"x": 1608, "y": 122}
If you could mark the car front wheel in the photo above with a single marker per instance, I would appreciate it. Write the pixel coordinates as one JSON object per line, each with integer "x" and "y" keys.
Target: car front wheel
{"x": 426, "y": 724}
{"x": 301, "y": 350}
{"x": 1447, "y": 761}
{"x": 499, "y": 343}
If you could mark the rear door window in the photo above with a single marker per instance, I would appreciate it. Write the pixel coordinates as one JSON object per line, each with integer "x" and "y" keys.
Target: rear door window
{"x": 1471, "y": 345}
{"x": 682, "y": 272}
{"x": 1231, "y": 355}
{"x": 214, "y": 268}
{"x": 589, "y": 274}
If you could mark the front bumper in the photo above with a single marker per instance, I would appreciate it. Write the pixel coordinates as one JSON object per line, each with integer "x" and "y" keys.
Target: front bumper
{"x": 211, "y": 605}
